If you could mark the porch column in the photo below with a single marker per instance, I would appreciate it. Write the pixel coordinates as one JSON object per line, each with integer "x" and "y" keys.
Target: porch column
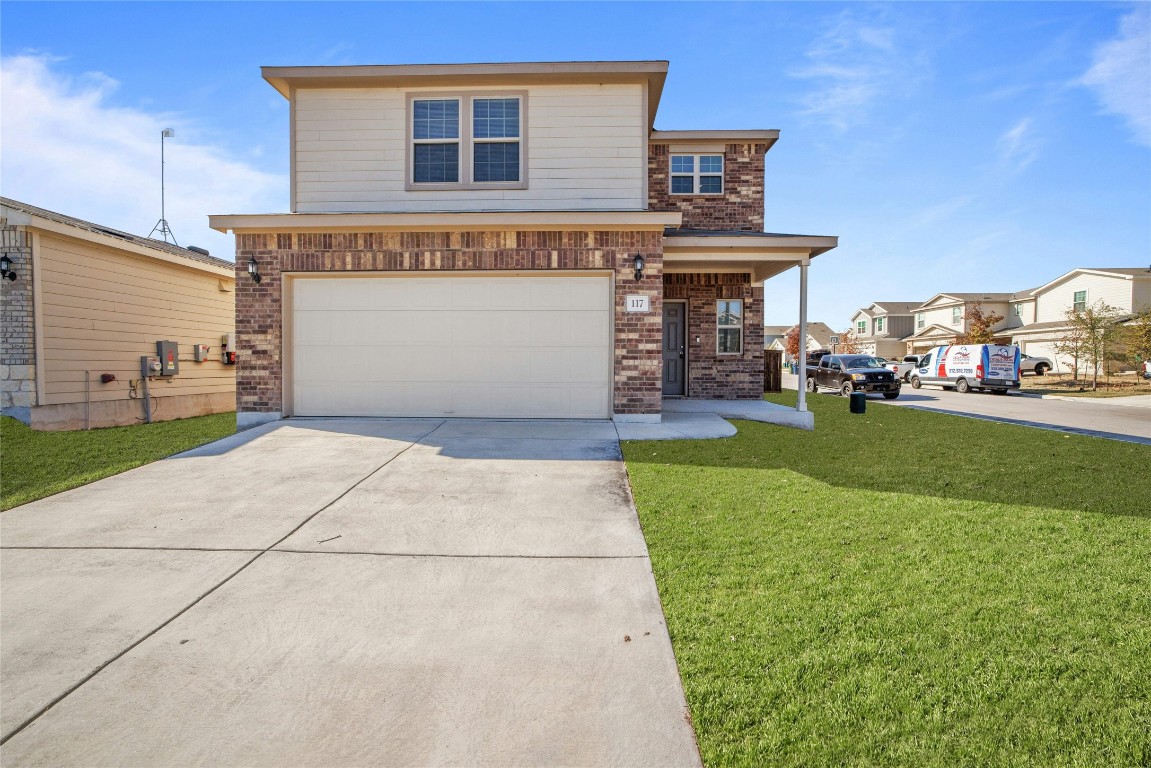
{"x": 801, "y": 401}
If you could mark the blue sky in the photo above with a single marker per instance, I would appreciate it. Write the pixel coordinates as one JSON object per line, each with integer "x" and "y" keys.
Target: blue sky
{"x": 950, "y": 146}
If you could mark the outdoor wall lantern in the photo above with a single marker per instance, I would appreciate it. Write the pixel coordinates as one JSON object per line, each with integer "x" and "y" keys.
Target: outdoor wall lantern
{"x": 638, "y": 266}
{"x": 254, "y": 270}
{"x": 6, "y": 267}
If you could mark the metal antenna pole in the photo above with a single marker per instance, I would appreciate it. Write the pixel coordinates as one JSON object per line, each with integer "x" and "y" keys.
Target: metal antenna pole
{"x": 162, "y": 225}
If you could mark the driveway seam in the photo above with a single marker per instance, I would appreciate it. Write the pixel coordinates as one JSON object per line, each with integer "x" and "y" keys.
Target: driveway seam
{"x": 460, "y": 557}
{"x": 43, "y": 710}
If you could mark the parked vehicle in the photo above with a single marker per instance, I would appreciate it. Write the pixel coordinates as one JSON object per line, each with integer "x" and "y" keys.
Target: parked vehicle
{"x": 964, "y": 367}
{"x": 1147, "y": 369}
{"x": 815, "y": 356}
{"x": 852, "y": 373}
{"x": 902, "y": 368}
{"x": 1037, "y": 365}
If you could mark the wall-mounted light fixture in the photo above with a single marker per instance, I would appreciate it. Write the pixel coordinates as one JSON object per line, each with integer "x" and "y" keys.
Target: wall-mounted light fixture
{"x": 6, "y": 267}
{"x": 254, "y": 270}
{"x": 638, "y": 266}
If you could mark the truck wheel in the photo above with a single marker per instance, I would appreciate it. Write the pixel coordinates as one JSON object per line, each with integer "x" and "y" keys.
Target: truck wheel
{"x": 846, "y": 389}
{"x": 962, "y": 387}
{"x": 915, "y": 382}
{"x": 907, "y": 377}
{"x": 1041, "y": 369}
{"x": 890, "y": 395}
{"x": 810, "y": 386}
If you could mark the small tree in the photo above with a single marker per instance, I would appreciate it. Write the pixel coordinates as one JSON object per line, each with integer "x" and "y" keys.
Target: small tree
{"x": 791, "y": 343}
{"x": 848, "y": 343}
{"x": 1071, "y": 344}
{"x": 1096, "y": 332}
{"x": 1137, "y": 335}
{"x": 980, "y": 325}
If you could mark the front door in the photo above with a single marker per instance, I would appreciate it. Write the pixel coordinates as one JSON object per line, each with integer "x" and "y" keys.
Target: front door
{"x": 674, "y": 358}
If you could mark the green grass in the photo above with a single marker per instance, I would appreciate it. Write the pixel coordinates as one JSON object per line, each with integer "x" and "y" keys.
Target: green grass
{"x": 38, "y": 464}
{"x": 905, "y": 588}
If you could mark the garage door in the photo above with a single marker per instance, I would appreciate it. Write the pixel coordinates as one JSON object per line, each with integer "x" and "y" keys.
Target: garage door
{"x": 490, "y": 347}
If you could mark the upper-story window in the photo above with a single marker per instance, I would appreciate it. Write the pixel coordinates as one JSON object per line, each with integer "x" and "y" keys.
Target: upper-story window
{"x": 956, "y": 315}
{"x": 861, "y": 328}
{"x": 467, "y": 141}
{"x": 1017, "y": 310}
{"x": 920, "y": 321}
{"x": 697, "y": 174}
{"x": 879, "y": 325}
{"x": 1080, "y": 300}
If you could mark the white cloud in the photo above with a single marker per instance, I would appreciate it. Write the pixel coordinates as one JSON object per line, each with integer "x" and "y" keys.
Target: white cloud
{"x": 854, "y": 64}
{"x": 67, "y": 148}
{"x": 1019, "y": 146}
{"x": 1120, "y": 73}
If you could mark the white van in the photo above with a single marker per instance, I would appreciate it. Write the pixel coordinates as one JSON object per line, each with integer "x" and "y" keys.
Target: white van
{"x": 964, "y": 367}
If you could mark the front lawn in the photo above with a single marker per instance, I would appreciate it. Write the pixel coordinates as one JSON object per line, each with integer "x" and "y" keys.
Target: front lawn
{"x": 905, "y": 588}
{"x": 1119, "y": 385}
{"x": 38, "y": 464}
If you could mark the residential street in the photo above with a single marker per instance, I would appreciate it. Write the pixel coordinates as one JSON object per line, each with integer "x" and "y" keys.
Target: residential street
{"x": 344, "y": 592}
{"x": 1114, "y": 418}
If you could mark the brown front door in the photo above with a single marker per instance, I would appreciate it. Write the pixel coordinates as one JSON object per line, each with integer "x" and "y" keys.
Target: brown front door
{"x": 674, "y": 357}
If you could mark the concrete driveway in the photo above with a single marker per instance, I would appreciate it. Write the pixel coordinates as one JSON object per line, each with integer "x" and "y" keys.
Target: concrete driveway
{"x": 343, "y": 592}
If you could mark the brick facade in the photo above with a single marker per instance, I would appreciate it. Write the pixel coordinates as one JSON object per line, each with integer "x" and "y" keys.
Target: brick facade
{"x": 17, "y": 328}
{"x": 711, "y": 375}
{"x": 259, "y": 307}
{"x": 739, "y": 207}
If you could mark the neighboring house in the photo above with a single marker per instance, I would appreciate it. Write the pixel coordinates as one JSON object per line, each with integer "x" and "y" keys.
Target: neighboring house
{"x": 1044, "y": 309}
{"x": 946, "y": 315}
{"x": 818, "y": 337}
{"x": 87, "y": 301}
{"x": 881, "y": 327}
{"x": 503, "y": 240}
{"x": 775, "y": 337}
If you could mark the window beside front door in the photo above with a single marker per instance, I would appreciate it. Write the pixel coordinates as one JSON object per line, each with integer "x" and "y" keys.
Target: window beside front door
{"x": 467, "y": 142}
{"x": 697, "y": 174}
{"x": 729, "y": 327}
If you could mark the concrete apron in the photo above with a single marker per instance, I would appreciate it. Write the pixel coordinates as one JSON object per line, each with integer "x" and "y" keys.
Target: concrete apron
{"x": 344, "y": 592}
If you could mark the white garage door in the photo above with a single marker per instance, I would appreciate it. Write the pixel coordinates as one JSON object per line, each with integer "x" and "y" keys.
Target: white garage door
{"x": 493, "y": 347}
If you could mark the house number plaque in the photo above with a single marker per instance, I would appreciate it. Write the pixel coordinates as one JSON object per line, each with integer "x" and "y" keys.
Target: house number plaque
{"x": 638, "y": 303}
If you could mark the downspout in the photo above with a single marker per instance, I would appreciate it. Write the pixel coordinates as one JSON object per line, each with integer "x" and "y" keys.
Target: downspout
{"x": 801, "y": 367}
{"x": 87, "y": 399}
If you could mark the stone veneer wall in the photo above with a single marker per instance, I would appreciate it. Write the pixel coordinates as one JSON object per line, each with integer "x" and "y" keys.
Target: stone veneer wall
{"x": 259, "y": 333}
{"x": 739, "y": 207}
{"x": 709, "y": 374}
{"x": 17, "y": 328}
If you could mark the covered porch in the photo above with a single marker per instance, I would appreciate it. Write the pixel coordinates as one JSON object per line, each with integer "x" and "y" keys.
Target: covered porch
{"x": 713, "y": 348}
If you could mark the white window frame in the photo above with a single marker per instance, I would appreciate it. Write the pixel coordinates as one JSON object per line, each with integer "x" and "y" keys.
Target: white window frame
{"x": 1017, "y": 310}
{"x": 1075, "y": 302}
{"x": 861, "y": 327}
{"x": 878, "y": 325}
{"x": 719, "y": 327}
{"x": 466, "y": 141}
{"x": 696, "y": 173}
{"x": 956, "y": 315}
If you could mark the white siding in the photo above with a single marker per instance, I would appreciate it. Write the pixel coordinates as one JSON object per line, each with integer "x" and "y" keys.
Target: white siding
{"x": 585, "y": 147}
{"x": 1054, "y": 303}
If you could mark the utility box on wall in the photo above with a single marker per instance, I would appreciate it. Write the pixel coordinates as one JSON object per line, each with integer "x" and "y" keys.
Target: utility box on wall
{"x": 169, "y": 354}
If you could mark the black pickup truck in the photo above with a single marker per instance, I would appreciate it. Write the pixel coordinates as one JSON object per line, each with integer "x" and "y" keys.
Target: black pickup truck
{"x": 852, "y": 373}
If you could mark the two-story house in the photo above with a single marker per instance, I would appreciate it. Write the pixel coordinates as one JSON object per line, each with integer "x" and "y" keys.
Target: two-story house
{"x": 881, "y": 327}
{"x": 946, "y": 315}
{"x": 503, "y": 240}
{"x": 1042, "y": 312}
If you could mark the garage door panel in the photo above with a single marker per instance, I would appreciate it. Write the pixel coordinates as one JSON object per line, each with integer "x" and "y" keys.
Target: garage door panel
{"x": 482, "y": 347}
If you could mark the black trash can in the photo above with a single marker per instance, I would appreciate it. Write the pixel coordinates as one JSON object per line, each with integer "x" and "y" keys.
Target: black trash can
{"x": 858, "y": 402}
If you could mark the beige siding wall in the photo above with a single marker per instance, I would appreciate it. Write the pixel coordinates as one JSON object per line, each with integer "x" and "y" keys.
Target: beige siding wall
{"x": 1026, "y": 314}
{"x": 1053, "y": 303}
{"x": 102, "y": 309}
{"x": 585, "y": 147}
{"x": 1141, "y": 293}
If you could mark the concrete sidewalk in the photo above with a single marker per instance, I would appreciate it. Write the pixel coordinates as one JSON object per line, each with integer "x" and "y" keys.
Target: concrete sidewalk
{"x": 343, "y": 592}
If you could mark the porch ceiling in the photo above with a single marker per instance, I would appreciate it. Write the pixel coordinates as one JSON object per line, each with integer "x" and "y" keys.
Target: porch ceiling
{"x": 761, "y": 254}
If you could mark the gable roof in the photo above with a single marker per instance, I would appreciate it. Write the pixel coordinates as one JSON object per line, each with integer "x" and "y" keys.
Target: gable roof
{"x": 895, "y": 307}
{"x": 1121, "y": 273}
{"x": 776, "y": 330}
{"x": 821, "y": 333}
{"x": 963, "y": 298}
{"x": 935, "y": 329}
{"x": 104, "y": 233}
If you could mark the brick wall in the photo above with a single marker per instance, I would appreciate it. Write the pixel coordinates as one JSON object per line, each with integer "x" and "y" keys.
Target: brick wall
{"x": 739, "y": 207}
{"x": 709, "y": 374}
{"x": 17, "y": 332}
{"x": 638, "y": 360}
